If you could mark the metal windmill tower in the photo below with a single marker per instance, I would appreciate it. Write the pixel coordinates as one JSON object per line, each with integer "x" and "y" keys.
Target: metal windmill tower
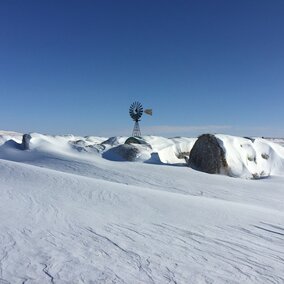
{"x": 135, "y": 112}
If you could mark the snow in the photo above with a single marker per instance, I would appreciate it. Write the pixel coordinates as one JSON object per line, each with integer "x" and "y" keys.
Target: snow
{"x": 257, "y": 157}
{"x": 68, "y": 215}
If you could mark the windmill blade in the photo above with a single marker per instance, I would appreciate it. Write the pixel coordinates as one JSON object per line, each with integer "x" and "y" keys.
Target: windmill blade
{"x": 148, "y": 111}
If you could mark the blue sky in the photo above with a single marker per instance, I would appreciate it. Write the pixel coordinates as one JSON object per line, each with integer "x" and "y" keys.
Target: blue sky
{"x": 203, "y": 66}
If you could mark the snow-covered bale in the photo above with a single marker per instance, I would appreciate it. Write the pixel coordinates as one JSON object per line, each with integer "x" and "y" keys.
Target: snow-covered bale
{"x": 207, "y": 155}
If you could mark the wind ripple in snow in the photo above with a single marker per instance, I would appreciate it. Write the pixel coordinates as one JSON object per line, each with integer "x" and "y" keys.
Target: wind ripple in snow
{"x": 153, "y": 253}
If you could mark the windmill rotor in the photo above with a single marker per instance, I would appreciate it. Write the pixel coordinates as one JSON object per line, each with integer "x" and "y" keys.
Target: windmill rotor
{"x": 136, "y": 111}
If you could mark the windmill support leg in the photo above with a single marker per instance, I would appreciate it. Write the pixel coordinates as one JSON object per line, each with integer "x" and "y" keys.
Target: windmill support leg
{"x": 136, "y": 130}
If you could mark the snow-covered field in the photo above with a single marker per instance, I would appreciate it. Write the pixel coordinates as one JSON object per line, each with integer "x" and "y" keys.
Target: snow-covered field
{"x": 70, "y": 212}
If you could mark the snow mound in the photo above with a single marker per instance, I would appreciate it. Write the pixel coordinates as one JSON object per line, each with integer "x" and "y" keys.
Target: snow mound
{"x": 125, "y": 152}
{"x": 252, "y": 158}
{"x": 10, "y": 135}
{"x": 246, "y": 158}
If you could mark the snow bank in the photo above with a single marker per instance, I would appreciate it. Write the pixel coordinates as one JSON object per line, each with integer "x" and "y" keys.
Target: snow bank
{"x": 10, "y": 135}
{"x": 246, "y": 158}
{"x": 252, "y": 158}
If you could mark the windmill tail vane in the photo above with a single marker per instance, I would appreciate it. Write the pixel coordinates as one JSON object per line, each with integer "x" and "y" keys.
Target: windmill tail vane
{"x": 148, "y": 111}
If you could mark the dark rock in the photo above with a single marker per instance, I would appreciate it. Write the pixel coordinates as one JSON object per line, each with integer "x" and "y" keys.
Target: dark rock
{"x": 13, "y": 144}
{"x": 123, "y": 152}
{"x": 265, "y": 156}
{"x": 207, "y": 155}
{"x": 25, "y": 145}
{"x": 81, "y": 143}
{"x": 133, "y": 140}
{"x": 137, "y": 140}
{"x": 26, "y": 141}
{"x": 249, "y": 138}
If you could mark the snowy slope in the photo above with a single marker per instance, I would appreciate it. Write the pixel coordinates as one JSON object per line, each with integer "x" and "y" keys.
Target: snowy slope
{"x": 68, "y": 215}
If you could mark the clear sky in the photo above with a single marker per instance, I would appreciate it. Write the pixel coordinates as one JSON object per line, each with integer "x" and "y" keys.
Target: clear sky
{"x": 203, "y": 66}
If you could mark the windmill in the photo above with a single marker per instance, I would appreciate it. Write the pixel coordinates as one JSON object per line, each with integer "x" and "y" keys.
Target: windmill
{"x": 135, "y": 112}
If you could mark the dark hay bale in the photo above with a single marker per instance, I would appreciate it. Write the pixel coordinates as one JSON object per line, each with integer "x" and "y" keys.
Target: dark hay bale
{"x": 207, "y": 155}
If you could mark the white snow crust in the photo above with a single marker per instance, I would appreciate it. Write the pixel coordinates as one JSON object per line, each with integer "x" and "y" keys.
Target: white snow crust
{"x": 68, "y": 215}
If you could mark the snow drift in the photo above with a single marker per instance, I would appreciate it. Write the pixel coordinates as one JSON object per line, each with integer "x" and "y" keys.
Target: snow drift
{"x": 245, "y": 157}
{"x": 70, "y": 215}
